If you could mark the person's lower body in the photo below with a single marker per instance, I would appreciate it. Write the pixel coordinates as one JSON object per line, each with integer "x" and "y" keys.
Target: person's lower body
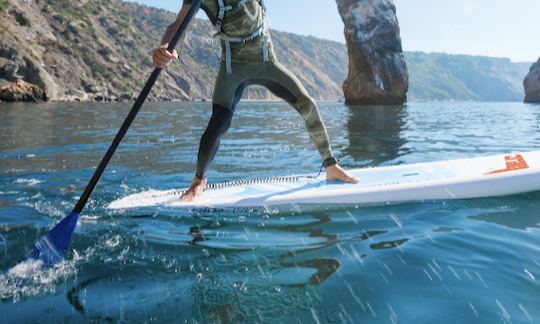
{"x": 228, "y": 91}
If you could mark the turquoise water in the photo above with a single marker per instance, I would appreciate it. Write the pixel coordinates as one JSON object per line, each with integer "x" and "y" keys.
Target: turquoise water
{"x": 449, "y": 261}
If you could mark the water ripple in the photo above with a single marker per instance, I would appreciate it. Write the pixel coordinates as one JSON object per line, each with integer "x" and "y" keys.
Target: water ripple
{"x": 447, "y": 261}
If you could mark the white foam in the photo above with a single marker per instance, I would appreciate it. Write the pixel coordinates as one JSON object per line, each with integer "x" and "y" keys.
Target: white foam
{"x": 30, "y": 182}
{"x": 30, "y": 278}
{"x": 113, "y": 241}
{"x": 144, "y": 199}
{"x": 46, "y": 207}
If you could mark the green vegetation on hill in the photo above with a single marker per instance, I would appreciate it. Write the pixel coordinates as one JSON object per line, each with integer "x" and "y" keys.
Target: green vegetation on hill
{"x": 438, "y": 76}
{"x": 100, "y": 49}
{"x": 103, "y": 49}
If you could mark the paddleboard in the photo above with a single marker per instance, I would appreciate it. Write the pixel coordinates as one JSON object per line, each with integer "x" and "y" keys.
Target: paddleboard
{"x": 489, "y": 176}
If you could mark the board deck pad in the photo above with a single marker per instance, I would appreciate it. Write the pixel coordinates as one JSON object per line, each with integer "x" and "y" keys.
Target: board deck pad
{"x": 489, "y": 176}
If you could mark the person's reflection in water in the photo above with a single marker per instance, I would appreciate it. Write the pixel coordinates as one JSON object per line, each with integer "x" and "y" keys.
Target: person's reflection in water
{"x": 233, "y": 293}
{"x": 233, "y": 283}
{"x": 375, "y": 134}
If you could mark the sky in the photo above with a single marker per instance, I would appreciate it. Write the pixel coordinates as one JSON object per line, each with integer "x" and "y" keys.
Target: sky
{"x": 501, "y": 28}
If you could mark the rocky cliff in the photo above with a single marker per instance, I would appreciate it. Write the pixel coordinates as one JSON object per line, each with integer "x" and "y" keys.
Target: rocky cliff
{"x": 377, "y": 70}
{"x": 100, "y": 50}
{"x": 532, "y": 83}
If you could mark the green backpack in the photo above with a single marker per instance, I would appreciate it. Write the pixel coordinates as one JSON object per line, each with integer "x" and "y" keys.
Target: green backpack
{"x": 242, "y": 25}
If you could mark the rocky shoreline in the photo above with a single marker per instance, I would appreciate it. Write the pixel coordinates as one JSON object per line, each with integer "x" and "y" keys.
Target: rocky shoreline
{"x": 22, "y": 91}
{"x": 97, "y": 50}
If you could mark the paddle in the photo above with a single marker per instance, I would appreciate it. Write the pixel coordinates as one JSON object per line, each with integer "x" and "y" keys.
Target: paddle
{"x": 52, "y": 247}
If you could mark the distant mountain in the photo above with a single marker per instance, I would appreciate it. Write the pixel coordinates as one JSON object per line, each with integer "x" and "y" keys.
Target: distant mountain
{"x": 100, "y": 50}
{"x": 438, "y": 76}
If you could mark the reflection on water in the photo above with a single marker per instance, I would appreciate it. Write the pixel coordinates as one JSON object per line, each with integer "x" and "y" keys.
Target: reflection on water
{"x": 519, "y": 212}
{"x": 450, "y": 261}
{"x": 375, "y": 133}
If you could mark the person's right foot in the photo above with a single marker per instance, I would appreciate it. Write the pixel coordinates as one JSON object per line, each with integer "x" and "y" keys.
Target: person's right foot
{"x": 335, "y": 172}
{"x": 195, "y": 190}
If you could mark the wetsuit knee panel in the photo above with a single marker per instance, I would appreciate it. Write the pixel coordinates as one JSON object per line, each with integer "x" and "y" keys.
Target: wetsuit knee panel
{"x": 305, "y": 105}
{"x": 217, "y": 127}
{"x": 220, "y": 122}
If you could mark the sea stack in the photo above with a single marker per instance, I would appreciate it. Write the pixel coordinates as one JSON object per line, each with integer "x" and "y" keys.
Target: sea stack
{"x": 532, "y": 83}
{"x": 377, "y": 69}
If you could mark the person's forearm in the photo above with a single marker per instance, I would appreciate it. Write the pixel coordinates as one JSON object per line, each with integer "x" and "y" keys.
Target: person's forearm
{"x": 172, "y": 28}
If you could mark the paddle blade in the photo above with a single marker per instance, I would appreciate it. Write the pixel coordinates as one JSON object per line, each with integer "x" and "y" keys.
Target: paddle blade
{"x": 52, "y": 247}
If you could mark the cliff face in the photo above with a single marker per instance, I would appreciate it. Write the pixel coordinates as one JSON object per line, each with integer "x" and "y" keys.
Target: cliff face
{"x": 532, "y": 83}
{"x": 79, "y": 50}
{"x": 377, "y": 70}
{"x": 100, "y": 50}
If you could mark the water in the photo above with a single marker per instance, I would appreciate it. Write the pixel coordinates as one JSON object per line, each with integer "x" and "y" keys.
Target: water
{"x": 449, "y": 261}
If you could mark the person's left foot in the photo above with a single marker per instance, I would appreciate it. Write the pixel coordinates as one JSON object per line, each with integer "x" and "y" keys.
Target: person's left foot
{"x": 335, "y": 172}
{"x": 195, "y": 190}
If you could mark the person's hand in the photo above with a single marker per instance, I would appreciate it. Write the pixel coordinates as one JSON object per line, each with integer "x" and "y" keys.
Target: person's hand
{"x": 161, "y": 57}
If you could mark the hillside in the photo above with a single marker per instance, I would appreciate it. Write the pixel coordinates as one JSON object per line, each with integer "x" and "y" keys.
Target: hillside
{"x": 96, "y": 49}
{"x": 438, "y": 76}
{"x": 100, "y": 50}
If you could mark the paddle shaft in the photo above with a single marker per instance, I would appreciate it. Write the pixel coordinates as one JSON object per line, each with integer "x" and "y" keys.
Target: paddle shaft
{"x": 134, "y": 110}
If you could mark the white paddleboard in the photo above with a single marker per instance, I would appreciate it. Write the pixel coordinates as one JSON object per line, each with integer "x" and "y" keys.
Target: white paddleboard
{"x": 489, "y": 176}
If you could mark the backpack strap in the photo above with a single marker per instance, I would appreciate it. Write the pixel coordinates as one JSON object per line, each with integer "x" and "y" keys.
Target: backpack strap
{"x": 264, "y": 32}
{"x": 261, "y": 31}
{"x": 221, "y": 15}
{"x": 224, "y": 9}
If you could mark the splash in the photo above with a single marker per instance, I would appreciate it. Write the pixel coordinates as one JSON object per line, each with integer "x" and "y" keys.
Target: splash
{"x": 30, "y": 182}
{"x": 30, "y": 278}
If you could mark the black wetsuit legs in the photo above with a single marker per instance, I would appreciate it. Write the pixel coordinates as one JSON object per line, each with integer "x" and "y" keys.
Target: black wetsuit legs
{"x": 221, "y": 121}
{"x": 217, "y": 127}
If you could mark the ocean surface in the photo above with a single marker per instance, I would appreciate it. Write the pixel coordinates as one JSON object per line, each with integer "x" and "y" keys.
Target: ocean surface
{"x": 462, "y": 261}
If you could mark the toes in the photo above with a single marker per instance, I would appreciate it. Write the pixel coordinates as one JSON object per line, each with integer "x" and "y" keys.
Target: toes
{"x": 185, "y": 198}
{"x": 192, "y": 194}
{"x": 350, "y": 179}
{"x": 188, "y": 196}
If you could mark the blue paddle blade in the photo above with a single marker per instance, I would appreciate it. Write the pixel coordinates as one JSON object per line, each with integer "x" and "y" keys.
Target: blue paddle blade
{"x": 52, "y": 247}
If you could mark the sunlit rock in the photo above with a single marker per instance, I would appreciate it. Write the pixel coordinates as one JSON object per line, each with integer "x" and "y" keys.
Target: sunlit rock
{"x": 377, "y": 69}
{"x": 22, "y": 91}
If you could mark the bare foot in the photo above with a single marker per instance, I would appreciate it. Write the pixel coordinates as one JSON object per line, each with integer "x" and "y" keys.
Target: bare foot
{"x": 194, "y": 191}
{"x": 335, "y": 172}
